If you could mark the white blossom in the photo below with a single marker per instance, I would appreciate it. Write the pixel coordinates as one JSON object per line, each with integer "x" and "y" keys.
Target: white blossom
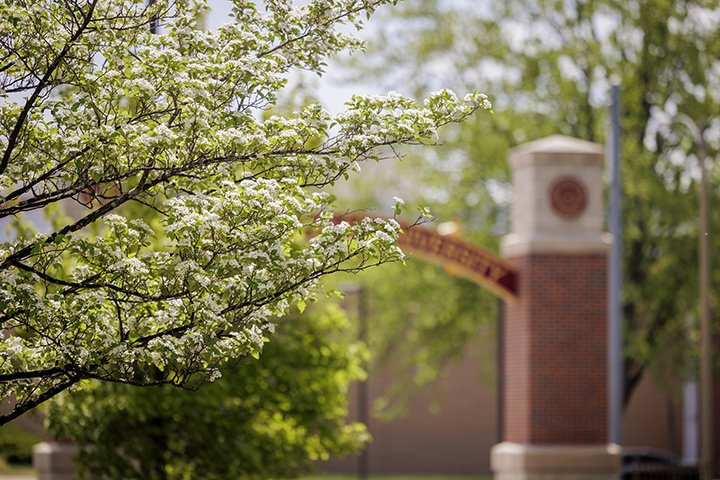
{"x": 195, "y": 221}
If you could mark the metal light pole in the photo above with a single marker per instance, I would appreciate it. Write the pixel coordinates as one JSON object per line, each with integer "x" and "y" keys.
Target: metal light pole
{"x": 154, "y": 27}
{"x": 706, "y": 370}
{"x": 615, "y": 356}
{"x": 363, "y": 407}
{"x": 358, "y": 291}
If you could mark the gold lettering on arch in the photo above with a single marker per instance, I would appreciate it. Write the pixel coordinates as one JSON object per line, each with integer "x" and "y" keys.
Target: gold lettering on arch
{"x": 459, "y": 257}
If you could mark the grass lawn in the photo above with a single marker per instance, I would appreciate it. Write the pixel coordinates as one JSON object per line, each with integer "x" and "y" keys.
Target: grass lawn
{"x": 397, "y": 477}
{"x": 17, "y": 472}
{"x": 6, "y": 469}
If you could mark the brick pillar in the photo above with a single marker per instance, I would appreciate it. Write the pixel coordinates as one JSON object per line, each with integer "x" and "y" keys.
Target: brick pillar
{"x": 555, "y": 365}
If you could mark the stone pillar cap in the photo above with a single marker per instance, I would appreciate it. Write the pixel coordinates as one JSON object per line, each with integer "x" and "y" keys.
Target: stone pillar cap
{"x": 558, "y": 198}
{"x": 556, "y": 146}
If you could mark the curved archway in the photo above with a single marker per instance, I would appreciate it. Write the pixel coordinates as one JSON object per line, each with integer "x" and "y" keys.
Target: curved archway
{"x": 457, "y": 256}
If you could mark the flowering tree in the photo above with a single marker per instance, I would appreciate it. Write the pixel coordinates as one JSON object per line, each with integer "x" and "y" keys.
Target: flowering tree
{"x": 190, "y": 237}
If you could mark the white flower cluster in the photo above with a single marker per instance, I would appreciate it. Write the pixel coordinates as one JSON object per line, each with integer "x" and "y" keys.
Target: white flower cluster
{"x": 236, "y": 224}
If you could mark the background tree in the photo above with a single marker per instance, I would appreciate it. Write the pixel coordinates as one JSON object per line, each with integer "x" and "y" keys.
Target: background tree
{"x": 269, "y": 418}
{"x": 423, "y": 319}
{"x": 421, "y": 316}
{"x": 97, "y": 111}
{"x": 548, "y": 64}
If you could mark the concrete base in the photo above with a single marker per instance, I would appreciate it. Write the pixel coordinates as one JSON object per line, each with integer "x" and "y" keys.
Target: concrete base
{"x": 514, "y": 461}
{"x": 55, "y": 460}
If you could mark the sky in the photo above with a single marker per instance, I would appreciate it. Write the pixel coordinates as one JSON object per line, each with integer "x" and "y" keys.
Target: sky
{"x": 332, "y": 91}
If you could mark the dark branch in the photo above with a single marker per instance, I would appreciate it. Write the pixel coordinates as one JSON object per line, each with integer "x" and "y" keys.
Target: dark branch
{"x": 13, "y": 138}
{"x": 29, "y": 404}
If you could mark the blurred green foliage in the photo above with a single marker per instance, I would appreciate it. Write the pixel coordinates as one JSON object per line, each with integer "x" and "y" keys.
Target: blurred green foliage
{"x": 420, "y": 320}
{"x": 16, "y": 444}
{"x": 547, "y": 65}
{"x": 269, "y": 418}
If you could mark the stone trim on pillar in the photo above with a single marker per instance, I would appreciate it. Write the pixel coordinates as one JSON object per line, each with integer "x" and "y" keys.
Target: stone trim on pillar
{"x": 512, "y": 461}
{"x": 55, "y": 460}
{"x": 555, "y": 368}
{"x": 558, "y": 204}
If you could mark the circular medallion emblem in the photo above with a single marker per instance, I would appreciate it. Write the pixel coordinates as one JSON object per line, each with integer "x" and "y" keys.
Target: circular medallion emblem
{"x": 568, "y": 197}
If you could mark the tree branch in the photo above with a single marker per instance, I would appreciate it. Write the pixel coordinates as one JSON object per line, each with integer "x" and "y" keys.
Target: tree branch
{"x": 12, "y": 139}
{"x": 28, "y": 405}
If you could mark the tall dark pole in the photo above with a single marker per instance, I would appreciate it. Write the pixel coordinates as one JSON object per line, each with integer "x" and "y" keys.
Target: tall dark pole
{"x": 363, "y": 410}
{"x": 706, "y": 333}
{"x": 358, "y": 294}
{"x": 154, "y": 19}
{"x": 615, "y": 370}
{"x": 706, "y": 371}
{"x": 500, "y": 370}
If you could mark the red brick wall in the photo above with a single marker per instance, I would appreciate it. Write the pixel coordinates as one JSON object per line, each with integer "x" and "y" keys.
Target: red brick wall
{"x": 555, "y": 351}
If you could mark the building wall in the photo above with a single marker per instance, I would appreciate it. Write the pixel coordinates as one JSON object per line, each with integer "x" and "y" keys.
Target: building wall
{"x": 454, "y": 439}
{"x": 457, "y": 439}
{"x": 653, "y": 418}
